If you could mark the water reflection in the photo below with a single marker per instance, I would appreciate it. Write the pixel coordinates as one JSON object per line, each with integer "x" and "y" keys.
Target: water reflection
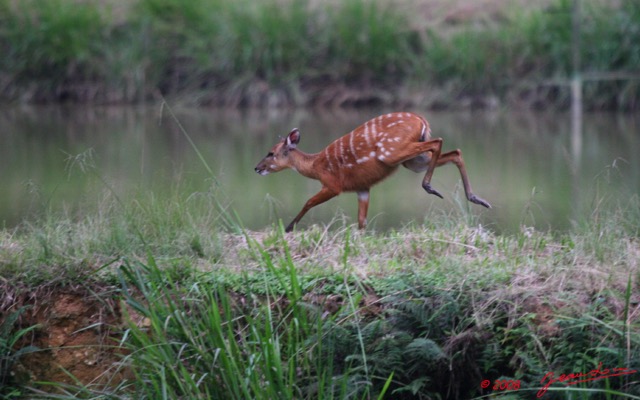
{"x": 533, "y": 168}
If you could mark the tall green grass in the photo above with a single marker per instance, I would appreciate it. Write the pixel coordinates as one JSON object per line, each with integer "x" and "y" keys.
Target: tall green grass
{"x": 301, "y": 52}
{"x": 11, "y": 351}
{"x": 530, "y": 56}
{"x": 201, "y": 342}
{"x": 52, "y": 37}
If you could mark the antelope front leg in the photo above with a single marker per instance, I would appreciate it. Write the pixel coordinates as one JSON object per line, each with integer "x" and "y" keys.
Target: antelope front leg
{"x": 323, "y": 195}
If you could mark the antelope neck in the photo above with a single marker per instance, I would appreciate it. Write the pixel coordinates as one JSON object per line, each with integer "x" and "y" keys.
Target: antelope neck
{"x": 303, "y": 163}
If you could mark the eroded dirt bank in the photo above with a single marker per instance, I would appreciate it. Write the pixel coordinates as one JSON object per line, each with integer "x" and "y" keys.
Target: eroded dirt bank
{"x": 79, "y": 333}
{"x": 77, "y": 336}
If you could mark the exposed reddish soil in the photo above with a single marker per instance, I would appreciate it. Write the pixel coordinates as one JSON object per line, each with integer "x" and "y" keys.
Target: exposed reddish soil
{"x": 79, "y": 332}
{"x": 77, "y": 335}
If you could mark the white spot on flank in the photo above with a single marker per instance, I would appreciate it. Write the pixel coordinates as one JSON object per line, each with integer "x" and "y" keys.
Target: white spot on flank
{"x": 396, "y": 139}
{"x": 366, "y": 132}
{"x": 372, "y": 154}
{"x": 381, "y": 158}
{"x": 423, "y": 136}
{"x": 328, "y": 159}
{"x": 361, "y": 160}
{"x": 351, "y": 145}
{"x": 387, "y": 153}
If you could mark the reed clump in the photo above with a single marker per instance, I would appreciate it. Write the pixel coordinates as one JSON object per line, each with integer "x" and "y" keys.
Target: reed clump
{"x": 302, "y": 52}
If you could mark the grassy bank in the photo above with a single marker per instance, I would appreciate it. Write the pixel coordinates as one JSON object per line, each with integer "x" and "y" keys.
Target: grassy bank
{"x": 212, "y": 311}
{"x": 299, "y": 52}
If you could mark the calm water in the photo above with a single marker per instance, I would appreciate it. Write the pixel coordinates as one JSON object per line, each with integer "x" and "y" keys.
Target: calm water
{"x": 528, "y": 166}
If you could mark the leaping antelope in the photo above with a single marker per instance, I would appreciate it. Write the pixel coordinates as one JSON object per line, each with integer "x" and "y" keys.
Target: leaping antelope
{"x": 365, "y": 156}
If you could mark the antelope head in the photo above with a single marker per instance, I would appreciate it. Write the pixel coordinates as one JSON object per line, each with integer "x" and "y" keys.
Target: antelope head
{"x": 278, "y": 157}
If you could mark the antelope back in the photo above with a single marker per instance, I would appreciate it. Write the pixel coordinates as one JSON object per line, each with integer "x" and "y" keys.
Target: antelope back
{"x": 376, "y": 140}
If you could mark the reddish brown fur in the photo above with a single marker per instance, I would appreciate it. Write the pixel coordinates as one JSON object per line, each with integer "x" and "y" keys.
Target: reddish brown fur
{"x": 364, "y": 157}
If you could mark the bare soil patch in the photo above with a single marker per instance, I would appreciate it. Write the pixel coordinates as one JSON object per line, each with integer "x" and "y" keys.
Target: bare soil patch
{"x": 77, "y": 334}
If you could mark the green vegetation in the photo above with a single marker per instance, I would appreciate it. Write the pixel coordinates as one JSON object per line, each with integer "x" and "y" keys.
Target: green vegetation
{"x": 11, "y": 351}
{"x": 301, "y": 52}
{"x": 328, "y": 312}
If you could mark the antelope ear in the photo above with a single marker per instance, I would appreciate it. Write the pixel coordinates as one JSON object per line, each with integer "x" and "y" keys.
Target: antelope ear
{"x": 293, "y": 138}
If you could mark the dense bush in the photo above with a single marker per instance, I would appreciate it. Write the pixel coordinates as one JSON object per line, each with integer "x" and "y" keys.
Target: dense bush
{"x": 302, "y": 52}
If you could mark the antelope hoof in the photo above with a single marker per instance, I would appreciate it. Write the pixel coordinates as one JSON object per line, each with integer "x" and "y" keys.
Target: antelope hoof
{"x": 289, "y": 228}
{"x": 430, "y": 190}
{"x": 475, "y": 199}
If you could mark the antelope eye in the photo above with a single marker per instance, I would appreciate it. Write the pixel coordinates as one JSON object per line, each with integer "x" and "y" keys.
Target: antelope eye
{"x": 270, "y": 154}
